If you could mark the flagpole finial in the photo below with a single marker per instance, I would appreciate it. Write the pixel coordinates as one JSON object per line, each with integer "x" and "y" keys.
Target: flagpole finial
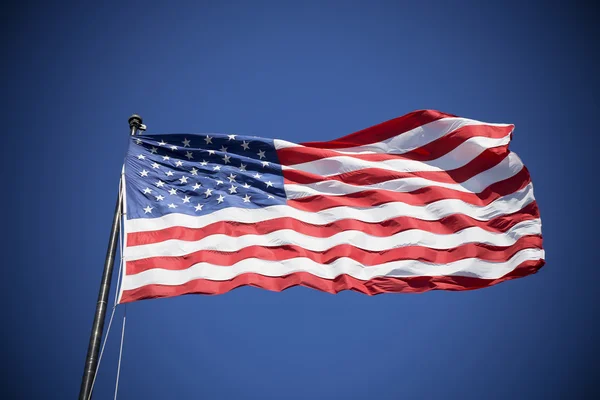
{"x": 135, "y": 120}
{"x": 135, "y": 124}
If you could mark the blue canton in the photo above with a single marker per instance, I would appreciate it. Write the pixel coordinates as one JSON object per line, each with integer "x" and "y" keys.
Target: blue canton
{"x": 200, "y": 174}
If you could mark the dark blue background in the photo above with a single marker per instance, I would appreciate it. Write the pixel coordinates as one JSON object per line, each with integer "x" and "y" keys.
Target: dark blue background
{"x": 73, "y": 73}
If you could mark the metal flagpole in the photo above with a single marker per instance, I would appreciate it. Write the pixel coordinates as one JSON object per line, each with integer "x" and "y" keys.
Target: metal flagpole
{"x": 91, "y": 360}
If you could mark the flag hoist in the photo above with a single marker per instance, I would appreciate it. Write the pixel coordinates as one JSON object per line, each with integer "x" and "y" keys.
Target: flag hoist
{"x": 91, "y": 360}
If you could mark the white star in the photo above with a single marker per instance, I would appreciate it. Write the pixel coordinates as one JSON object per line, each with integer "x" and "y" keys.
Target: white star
{"x": 232, "y": 189}
{"x": 204, "y": 163}
{"x": 223, "y": 149}
{"x": 197, "y": 186}
{"x": 172, "y": 191}
{"x": 270, "y": 197}
{"x": 141, "y": 157}
{"x": 220, "y": 199}
{"x": 186, "y": 199}
{"x": 178, "y": 163}
{"x": 153, "y": 150}
{"x": 199, "y": 207}
{"x": 231, "y": 178}
{"x": 189, "y": 155}
{"x": 261, "y": 154}
{"x": 147, "y": 191}
{"x": 208, "y": 139}
{"x": 194, "y": 171}
{"x": 217, "y": 167}
{"x": 226, "y": 159}
{"x": 269, "y": 184}
{"x": 208, "y": 192}
{"x": 162, "y": 143}
{"x": 219, "y": 182}
{"x": 265, "y": 164}
{"x": 183, "y": 179}
{"x": 172, "y": 205}
{"x": 155, "y": 165}
{"x": 148, "y": 209}
{"x": 173, "y": 147}
{"x": 246, "y": 199}
{"x": 231, "y": 137}
{"x": 246, "y": 186}
{"x": 166, "y": 158}
{"x": 186, "y": 143}
{"x": 169, "y": 173}
{"x": 144, "y": 173}
{"x": 257, "y": 175}
{"x": 245, "y": 145}
{"x": 160, "y": 184}
{"x": 138, "y": 141}
{"x": 160, "y": 197}
{"x": 243, "y": 167}
{"x": 210, "y": 152}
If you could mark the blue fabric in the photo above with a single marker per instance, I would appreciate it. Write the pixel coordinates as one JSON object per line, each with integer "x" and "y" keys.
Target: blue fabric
{"x": 189, "y": 169}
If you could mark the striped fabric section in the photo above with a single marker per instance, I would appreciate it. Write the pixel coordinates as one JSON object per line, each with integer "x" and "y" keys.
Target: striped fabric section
{"x": 425, "y": 201}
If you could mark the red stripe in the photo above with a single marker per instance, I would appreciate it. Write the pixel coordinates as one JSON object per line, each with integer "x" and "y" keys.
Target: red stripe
{"x": 447, "y": 225}
{"x": 369, "y": 176}
{"x": 449, "y": 142}
{"x": 383, "y": 131}
{"x": 427, "y": 152}
{"x": 342, "y": 282}
{"x": 422, "y": 196}
{"x": 365, "y": 257}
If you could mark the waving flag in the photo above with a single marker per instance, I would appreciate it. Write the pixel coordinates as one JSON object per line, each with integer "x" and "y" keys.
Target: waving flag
{"x": 425, "y": 201}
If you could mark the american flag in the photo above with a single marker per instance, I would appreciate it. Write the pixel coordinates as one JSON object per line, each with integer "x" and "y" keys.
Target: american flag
{"x": 424, "y": 201}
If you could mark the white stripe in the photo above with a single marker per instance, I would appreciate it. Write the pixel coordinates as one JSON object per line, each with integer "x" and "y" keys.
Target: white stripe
{"x": 123, "y": 234}
{"x": 417, "y": 137}
{"x": 430, "y": 212}
{"x": 284, "y": 144}
{"x": 507, "y": 168}
{"x": 472, "y": 267}
{"x": 359, "y": 239}
{"x": 408, "y": 140}
{"x": 458, "y": 157}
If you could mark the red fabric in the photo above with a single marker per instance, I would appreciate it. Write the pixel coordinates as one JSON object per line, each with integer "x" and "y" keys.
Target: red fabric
{"x": 450, "y": 224}
{"x": 425, "y": 195}
{"x": 342, "y": 282}
{"x": 383, "y": 131}
{"x": 435, "y": 256}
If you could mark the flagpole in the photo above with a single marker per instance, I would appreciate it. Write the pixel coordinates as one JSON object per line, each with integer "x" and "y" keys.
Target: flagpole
{"x": 91, "y": 361}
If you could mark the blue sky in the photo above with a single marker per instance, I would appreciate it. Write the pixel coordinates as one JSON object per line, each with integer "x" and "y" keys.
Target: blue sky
{"x": 299, "y": 72}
